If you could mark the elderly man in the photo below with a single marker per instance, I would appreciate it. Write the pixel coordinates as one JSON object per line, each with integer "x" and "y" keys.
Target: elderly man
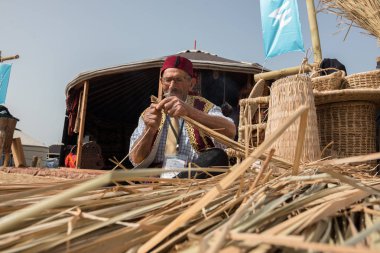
{"x": 162, "y": 138}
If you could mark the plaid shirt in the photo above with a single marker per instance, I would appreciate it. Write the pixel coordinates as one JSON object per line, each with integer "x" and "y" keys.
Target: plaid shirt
{"x": 185, "y": 147}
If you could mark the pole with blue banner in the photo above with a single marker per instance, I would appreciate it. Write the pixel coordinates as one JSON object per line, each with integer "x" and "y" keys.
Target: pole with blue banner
{"x": 5, "y": 71}
{"x": 282, "y": 14}
{"x": 281, "y": 27}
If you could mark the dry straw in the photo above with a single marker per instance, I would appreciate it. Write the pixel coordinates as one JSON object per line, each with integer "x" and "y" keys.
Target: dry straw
{"x": 287, "y": 94}
{"x": 332, "y": 211}
{"x": 364, "y": 13}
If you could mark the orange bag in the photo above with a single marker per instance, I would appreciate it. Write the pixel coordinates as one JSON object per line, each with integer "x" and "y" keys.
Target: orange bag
{"x": 71, "y": 159}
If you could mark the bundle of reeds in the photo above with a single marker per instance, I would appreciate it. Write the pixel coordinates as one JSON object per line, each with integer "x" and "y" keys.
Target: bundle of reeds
{"x": 364, "y": 13}
{"x": 322, "y": 209}
{"x": 325, "y": 208}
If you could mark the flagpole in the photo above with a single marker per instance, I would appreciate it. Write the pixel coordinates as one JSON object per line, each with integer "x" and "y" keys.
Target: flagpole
{"x": 2, "y": 59}
{"x": 314, "y": 32}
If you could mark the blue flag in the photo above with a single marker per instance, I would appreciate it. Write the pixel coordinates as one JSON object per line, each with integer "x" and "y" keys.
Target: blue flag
{"x": 281, "y": 27}
{"x": 5, "y": 71}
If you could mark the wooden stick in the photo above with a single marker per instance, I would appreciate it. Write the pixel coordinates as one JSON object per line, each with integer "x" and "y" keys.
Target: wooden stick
{"x": 3, "y": 59}
{"x": 352, "y": 159}
{"x": 262, "y": 169}
{"x": 246, "y": 136}
{"x": 159, "y": 95}
{"x": 300, "y": 142}
{"x": 236, "y": 171}
{"x": 283, "y": 72}
{"x": 81, "y": 124}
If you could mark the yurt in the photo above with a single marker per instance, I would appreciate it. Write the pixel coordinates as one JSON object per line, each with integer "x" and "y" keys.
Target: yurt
{"x": 32, "y": 148}
{"x": 116, "y": 96}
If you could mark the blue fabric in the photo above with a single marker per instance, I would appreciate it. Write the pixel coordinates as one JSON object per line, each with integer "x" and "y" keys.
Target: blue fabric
{"x": 281, "y": 27}
{"x": 5, "y": 71}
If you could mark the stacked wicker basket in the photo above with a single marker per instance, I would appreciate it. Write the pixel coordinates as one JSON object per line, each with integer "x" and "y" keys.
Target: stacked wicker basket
{"x": 347, "y": 112}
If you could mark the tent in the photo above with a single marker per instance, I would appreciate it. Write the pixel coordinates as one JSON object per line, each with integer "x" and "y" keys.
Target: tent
{"x": 32, "y": 148}
{"x": 118, "y": 95}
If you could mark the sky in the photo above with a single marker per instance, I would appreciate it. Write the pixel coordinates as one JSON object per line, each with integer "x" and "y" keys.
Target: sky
{"x": 56, "y": 40}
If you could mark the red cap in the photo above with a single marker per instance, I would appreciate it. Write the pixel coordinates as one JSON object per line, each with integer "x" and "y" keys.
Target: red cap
{"x": 179, "y": 62}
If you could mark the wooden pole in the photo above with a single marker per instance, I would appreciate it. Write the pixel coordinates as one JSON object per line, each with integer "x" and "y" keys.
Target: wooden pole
{"x": 314, "y": 32}
{"x": 276, "y": 74}
{"x": 2, "y": 59}
{"x": 81, "y": 124}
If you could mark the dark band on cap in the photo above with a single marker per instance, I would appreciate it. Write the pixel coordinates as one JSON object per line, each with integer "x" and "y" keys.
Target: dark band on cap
{"x": 177, "y": 62}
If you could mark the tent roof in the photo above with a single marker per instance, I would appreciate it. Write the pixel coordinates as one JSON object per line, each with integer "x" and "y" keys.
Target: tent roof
{"x": 200, "y": 59}
{"x": 27, "y": 140}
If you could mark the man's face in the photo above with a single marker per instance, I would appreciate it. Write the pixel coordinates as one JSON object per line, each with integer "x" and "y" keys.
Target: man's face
{"x": 176, "y": 82}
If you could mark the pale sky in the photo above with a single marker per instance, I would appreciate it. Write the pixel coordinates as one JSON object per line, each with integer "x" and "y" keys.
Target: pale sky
{"x": 57, "y": 40}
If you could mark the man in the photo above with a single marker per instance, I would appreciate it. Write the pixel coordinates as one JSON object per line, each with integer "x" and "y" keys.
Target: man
{"x": 150, "y": 141}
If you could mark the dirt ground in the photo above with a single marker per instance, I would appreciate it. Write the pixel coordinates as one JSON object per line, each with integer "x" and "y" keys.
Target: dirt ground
{"x": 13, "y": 178}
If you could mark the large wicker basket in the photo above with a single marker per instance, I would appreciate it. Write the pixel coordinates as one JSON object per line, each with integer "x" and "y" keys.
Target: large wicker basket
{"x": 370, "y": 79}
{"x": 350, "y": 125}
{"x": 332, "y": 81}
{"x": 288, "y": 94}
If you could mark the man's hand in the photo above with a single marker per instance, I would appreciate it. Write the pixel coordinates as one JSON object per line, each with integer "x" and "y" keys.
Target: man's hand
{"x": 173, "y": 106}
{"x": 152, "y": 117}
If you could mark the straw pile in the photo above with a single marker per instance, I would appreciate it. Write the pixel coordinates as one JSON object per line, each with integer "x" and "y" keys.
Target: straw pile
{"x": 328, "y": 207}
{"x": 261, "y": 211}
{"x": 364, "y": 13}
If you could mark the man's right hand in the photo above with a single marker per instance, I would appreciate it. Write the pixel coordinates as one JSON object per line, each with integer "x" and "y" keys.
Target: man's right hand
{"x": 152, "y": 117}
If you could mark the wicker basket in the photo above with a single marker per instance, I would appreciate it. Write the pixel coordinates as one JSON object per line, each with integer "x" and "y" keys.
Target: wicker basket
{"x": 350, "y": 125}
{"x": 332, "y": 81}
{"x": 370, "y": 79}
{"x": 253, "y": 115}
{"x": 287, "y": 95}
{"x": 253, "y": 125}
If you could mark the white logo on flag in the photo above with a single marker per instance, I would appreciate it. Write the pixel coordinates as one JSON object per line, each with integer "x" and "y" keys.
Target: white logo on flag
{"x": 282, "y": 15}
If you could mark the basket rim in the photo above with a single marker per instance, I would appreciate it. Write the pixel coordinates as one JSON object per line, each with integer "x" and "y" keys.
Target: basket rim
{"x": 337, "y": 74}
{"x": 376, "y": 71}
{"x": 343, "y": 95}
